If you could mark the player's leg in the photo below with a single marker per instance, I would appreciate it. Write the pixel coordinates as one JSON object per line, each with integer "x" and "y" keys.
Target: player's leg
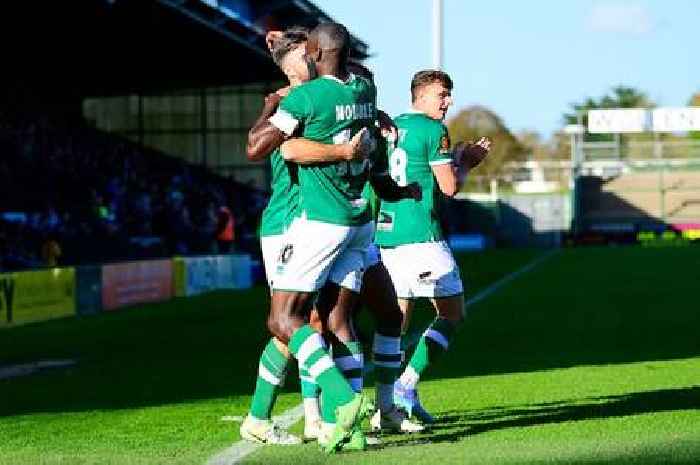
{"x": 272, "y": 368}
{"x": 305, "y": 265}
{"x": 438, "y": 279}
{"x": 379, "y": 296}
{"x": 335, "y": 305}
{"x": 310, "y": 391}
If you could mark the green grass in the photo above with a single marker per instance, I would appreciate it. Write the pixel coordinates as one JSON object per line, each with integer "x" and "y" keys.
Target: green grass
{"x": 593, "y": 357}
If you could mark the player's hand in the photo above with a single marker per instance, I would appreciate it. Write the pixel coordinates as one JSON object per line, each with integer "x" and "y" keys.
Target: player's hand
{"x": 272, "y": 100}
{"x": 360, "y": 146}
{"x": 283, "y": 91}
{"x": 413, "y": 191}
{"x": 469, "y": 154}
{"x": 387, "y": 126}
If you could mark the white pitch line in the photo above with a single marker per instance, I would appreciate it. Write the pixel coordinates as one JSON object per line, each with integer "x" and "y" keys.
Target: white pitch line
{"x": 508, "y": 278}
{"x": 242, "y": 449}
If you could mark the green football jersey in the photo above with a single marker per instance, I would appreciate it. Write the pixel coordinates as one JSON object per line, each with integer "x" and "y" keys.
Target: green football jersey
{"x": 423, "y": 142}
{"x": 278, "y": 214}
{"x": 331, "y": 111}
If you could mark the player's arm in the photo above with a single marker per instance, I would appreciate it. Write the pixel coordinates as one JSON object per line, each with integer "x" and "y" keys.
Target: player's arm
{"x": 305, "y": 151}
{"x": 383, "y": 184}
{"x": 446, "y": 177}
{"x": 441, "y": 161}
{"x": 387, "y": 189}
{"x": 465, "y": 156}
{"x": 264, "y": 137}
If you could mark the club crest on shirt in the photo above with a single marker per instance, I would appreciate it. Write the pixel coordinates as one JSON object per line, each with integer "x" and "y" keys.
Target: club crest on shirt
{"x": 445, "y": 143}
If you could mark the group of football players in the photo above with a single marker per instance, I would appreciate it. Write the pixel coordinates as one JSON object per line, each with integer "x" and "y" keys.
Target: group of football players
{"x": 352, "y": 222}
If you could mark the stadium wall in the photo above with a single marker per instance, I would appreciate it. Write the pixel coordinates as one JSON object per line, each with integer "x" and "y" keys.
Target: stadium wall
{"x": 40, "y": 295}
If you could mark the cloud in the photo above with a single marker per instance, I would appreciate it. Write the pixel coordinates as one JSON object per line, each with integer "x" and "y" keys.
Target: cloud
{"x": 630, "y": 19}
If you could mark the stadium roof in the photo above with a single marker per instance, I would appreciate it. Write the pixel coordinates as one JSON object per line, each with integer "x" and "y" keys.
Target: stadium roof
{"x": 108, "y": 47}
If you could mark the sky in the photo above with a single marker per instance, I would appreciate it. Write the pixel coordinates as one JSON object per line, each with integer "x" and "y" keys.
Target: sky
{"x": 528, "y": 60}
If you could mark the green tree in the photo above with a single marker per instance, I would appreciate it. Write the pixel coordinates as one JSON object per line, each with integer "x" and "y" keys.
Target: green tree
{"x": 474, "y": 122}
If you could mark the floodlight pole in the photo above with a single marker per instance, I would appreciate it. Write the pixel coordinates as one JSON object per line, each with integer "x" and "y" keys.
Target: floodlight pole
{"x": 437, "y": 34}
{"x": 576, "y": 132}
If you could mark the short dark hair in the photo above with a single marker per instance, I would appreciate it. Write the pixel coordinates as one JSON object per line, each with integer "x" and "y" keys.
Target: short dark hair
{"x": 288, "y": 41}
{"x": 360, "y": 70}
{"x": 427, "y": 77}
{"x": 332, "y": 36}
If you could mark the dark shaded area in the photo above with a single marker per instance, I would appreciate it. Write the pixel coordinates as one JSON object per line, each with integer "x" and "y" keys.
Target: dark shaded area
{"x": 99, "y": 197}
{"x": 575, "y": 309}
{"x": 67, "y": 50}
{"x": 501, "y": 222}
{"x": 603, "y": 217}
{"x": 453, "y": 426}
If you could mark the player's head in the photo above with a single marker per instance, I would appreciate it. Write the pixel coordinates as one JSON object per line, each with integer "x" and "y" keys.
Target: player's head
{"x": 327, "y": 49}
{"x": 288, "y": 49}
{"x": 431, "y": 93}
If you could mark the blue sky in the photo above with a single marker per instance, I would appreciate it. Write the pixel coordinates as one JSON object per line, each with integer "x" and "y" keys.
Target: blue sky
{"x": 527, "y": 60}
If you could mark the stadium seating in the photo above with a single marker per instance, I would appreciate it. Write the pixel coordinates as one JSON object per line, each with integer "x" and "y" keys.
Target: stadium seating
{"x": 104, "y": 198}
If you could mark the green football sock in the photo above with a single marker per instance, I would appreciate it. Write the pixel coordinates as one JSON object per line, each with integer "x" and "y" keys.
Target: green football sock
{"x": 271, "y": 371}
{"x": 349, "y": 359}
{"x": 307, "y": 346}
{"x": 434, "y": 342}
{"x": 386, "y": 352}
{"x": 309, "y": 388}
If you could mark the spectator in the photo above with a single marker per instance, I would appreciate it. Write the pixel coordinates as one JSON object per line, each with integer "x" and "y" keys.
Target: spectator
{"x": 51, "y": 251}
{"x": 225, "y": 230}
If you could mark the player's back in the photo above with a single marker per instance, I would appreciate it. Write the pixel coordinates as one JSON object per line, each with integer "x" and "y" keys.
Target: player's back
{"x": 332, "y": 111}
{"x": 423, "y": 142}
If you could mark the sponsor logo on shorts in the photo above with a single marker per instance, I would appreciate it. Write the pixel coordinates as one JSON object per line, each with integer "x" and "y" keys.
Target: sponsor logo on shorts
{"x": 425, "y": 277}
{"x": 285, "y": 254}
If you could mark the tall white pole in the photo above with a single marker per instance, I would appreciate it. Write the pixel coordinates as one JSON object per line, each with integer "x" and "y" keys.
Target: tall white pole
{"x": 437, "y": 34}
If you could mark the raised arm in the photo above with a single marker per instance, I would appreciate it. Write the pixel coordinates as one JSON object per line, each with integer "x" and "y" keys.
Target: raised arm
{"x": 466, "y": 155}
{"x": 446, "y": 177}
{"x": 264, "y": 137}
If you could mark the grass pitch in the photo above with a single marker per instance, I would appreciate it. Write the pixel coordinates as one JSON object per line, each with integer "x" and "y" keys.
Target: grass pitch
{"x": 593, "y": 357}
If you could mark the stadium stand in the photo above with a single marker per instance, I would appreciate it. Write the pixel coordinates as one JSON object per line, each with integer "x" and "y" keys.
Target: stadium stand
{"x": 104, "y": 198}
{"x": 76, "y": 190}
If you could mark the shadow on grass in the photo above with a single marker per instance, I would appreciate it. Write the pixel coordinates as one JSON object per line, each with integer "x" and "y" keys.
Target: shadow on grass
{"x": 565, "y": 313}
{"x": 455, "y": 425}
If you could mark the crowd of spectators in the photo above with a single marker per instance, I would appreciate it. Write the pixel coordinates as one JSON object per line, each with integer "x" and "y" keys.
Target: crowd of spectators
{"x": 70, "y": 194}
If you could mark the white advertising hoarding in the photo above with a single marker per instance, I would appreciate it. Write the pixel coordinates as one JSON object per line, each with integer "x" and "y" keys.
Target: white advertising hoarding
{"x": 676, "y": 119}
{"x": 618, "y": 120}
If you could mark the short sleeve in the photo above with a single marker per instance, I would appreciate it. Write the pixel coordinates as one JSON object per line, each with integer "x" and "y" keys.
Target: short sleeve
{"x": 295, "y": 108}
{"x": 440, "y": 148}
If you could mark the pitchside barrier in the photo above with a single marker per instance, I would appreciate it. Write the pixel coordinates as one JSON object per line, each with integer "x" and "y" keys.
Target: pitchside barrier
{"x": 32, "y": 296}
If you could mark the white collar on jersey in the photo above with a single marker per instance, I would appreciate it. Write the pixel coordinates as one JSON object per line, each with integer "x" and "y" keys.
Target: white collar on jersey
{"x": 351, "y": 78}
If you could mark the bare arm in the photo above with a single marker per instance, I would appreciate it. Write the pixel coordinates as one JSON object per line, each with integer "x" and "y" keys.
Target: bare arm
{"x": 304, "y": 151}
{"x": 263, "y": 137}
{"x": 467, "y": 155}
{"x": 446, "y": 178}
